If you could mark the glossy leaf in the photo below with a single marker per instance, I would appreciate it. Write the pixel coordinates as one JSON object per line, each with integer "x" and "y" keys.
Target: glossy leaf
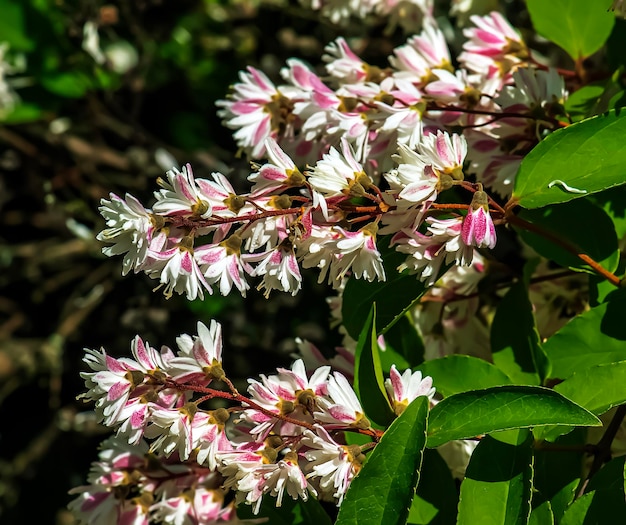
{"x": 580, "y": 27}
{"x": 515, "y": 340}
{"x": 542, "y": 515}
{"x": 403, "y": 339}
{"x": 613, "y": 201}
{"x": 595, "y": 337}
{"x": 590, "y": 156}
{"x": 393, "y": 297}
{"x": 605, "y": 499}
{"x": 382, "y": 492}
{"x": 478, "y": 412}
{"x": 582, "y": 225}
{"x": 557, "y": 473}
{"x": 459, "y": 373}
{"x": 436, "y": 499}
{"x": 598, "y": 388}
{"x": 498, "y": 482}
{"x": 369, "y": 382}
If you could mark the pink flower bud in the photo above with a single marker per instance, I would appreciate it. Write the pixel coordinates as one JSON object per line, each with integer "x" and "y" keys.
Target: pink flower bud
{"x": 478, "y": 229}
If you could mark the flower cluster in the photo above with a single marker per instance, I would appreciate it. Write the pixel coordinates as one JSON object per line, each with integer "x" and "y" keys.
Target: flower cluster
{"x": 500, "y": 95}
{"x": 367, "y": 153}
{"x": 173, "y": 460}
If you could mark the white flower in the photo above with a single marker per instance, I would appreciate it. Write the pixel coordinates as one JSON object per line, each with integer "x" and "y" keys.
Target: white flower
{"x": 181, "y": 196}
{"x": 402, "y": 389}
{"x": 335, "y": 465}
{"x": 130, "y": 226}
{"x": 342, "y": 408}
{"x": 358, "y": 252}
{"x": 200, "y": 357}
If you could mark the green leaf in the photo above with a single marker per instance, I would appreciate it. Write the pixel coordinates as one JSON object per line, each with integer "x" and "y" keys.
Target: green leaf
{"x": 22, "y": 113}
{"x": 595, "y": 98}
{"x": 581, "y": 224}
{"x": 382, "y": 492}
{"x": 515, "y": 340}
{"x": 616, "y": 44}
{"x": 403, "y": 339}
{"x": 597, "y": 336}
{"x": 369, "y": 383}
{"x": 498, "y": 483}
{"x": 542, "y": 515}
{"x": 580, "y": 27}
{"x": 436, "y": 499}
{"x": 478, "y": 412}
{"x": 70, "y": 85}
{"x": 605, "y": 499}
{"x": 598, "y": 388}
{"x": 394, "y": 296}
{"x": 587, "y": 157}
{"x": 583, "y": 101}
{"x": 13, "y": 25}
{"x": 576, "y": 514}
{"x": 459, "y": 373}
{"x": 557, "y": 473}
{"x": 613, "y": 201}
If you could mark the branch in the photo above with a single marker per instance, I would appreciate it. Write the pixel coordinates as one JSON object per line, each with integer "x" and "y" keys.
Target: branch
{"x": 571, "y": 248}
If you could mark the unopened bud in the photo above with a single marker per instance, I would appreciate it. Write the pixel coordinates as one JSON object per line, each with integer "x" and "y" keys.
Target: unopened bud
{"x": 480, "y": 200}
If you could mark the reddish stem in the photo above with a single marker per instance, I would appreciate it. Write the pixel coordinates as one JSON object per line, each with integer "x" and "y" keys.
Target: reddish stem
{"x": 571, "y": 248}
{"x": 234, "y": 395}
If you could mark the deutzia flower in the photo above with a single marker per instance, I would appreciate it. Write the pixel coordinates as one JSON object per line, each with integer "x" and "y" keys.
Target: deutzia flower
{"x": 256, "y": 110}
{"x": 478, "y": 229}
{"x": 343, "y": 407}
{"x": 402, "y": 389}
{"x": 358, "y": 253}
{"x": 335, "y": 465}
{"x": 200, "y": 357}
{"x": 130, "y": 226}
{"x": 181, "y": 196}
{"x": 338, "y": 173}
{"x": 221, "y": 263}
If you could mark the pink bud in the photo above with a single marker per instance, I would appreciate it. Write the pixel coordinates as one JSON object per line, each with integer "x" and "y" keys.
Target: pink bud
{"x": 478, "y": 229}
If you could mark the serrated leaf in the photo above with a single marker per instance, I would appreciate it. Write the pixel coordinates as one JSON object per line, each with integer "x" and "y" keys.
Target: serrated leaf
{"x": 498, "y": 483}
{"x": 369, "y": 383}
{"x": 584, "y": 158}
{"x": 557, "y": 473}
{"x": 598, "y": 388}
{"x": 436, "y": 499}
{"x": 515, "y": 340}
{"x": 542, "y": 515}
{"x": 580, "y": 27}
{"x": 459, "y": 373}
{"x": 394, "y": 296}
{"x": 595, "y": 337}
{"x": 479, "y": 412}
{"x": 382, "y": 492}
{"x": 604, "y": 501}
